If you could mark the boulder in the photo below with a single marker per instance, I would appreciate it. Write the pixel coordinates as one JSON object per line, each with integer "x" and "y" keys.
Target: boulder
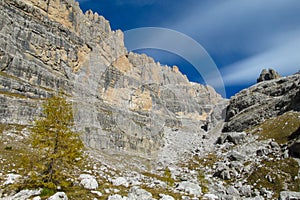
{"x": 120, "y": 181}
{"x": 165, "y": 197}
{"x": 11, "y": 178}
{"x": 136, "y": 193}
{"x": 288, "y": 195}
{"x": 23, "y": 194}
{"x": 189, "y": 187}
{"x": 267, "y": 75}
{"x": 88, "y": 181}
{"x": 58, "y": 196}
{"x": 234, "y": 137}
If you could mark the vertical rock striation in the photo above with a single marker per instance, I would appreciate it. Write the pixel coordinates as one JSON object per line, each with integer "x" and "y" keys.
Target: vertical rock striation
{"x": 122, "y": 100}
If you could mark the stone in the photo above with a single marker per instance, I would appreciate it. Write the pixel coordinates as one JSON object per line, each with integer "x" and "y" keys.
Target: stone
{"x": 235, "y": 156}
{"x": 136, "y": 193}
{"x": 262, "y": 101}
{"x": 23, "y": 194}
{"x": 234, "y": 137}
{"x": 123, "y": 101}
{"x": 97, "y": 193}
{"x": 232, "y": 191}
{"x": 58, "y": 196}
{"x": 289, "y": 195}
{"x": 165, "y": 197}
{"x": 37, "y": 198}
{"x": 88, "y": 181}
{"x": 11, "y": 178}
{"x": 120, "y": 181}
{"x": 189, "y": 188}
{"x": 211, "y": 197}
{"x": 267, "y": 75}
{"x": 116, "y": 197}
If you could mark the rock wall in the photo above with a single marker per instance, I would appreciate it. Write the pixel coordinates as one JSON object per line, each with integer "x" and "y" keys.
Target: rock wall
{"x": 122, "y": 100}
{"x": 262, "y": 101}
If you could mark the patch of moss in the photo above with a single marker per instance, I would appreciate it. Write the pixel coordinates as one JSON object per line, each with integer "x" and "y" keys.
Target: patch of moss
{"x": 167, "y": 177}
{"x": 279, "y": 128}
{"x": 276, "y": 175}
{"x": 158, "y": 190}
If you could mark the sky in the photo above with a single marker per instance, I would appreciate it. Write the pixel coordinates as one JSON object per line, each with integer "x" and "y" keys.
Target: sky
{"x": 240, "y": 37}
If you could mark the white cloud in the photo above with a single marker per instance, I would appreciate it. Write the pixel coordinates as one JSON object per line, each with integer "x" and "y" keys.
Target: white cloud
{"x": 284, "y": 58}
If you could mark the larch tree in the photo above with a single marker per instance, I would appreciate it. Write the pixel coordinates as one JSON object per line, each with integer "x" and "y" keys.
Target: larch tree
{"x": 55, "y": 145}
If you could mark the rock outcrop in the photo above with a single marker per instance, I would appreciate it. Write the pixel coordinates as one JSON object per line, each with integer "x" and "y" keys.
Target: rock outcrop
{"x": 267, "y": 75}
{"x": 122, "y": 100}
{"x": 262, "y": 101}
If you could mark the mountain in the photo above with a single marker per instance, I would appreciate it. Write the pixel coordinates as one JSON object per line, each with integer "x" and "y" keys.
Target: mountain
{"x": 122, "y": 101}
{"x": 148, "y": 131}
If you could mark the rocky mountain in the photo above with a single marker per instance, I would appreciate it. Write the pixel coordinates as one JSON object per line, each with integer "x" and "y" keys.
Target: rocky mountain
{"x": 149, "y": 133}
{"x": 122, "y": 101}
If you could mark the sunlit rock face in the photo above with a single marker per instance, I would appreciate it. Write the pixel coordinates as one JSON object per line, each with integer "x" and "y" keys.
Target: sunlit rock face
{"x": 122, "y": 101}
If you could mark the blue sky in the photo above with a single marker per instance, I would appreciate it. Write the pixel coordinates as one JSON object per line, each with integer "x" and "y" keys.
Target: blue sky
{"x": 242, "y": 37}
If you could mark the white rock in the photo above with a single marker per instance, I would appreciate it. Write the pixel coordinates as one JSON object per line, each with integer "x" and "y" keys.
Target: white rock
{"x": 88, "y": 181}
{"x": 190, "y": 188}
{"x": 37, "y": 198}
{"x": 165, "y": 197}
{"x": 11, "y": 178}
{"x": 120, "y": 181}
{"x": 24, "y": 194}
{"x": 97, "y": 193}
{"x": 58, "y": 196}
{"x": 285, "y": 195}
{"x": 136, "y": 193}
{"x": 211, "y": 196}
{"x": 116, "y": 197}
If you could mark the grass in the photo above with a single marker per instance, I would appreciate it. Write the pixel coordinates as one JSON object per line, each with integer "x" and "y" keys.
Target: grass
{"x": 279, "y": 128}
{"x": 165, "y": 178}
{"x": 283, "y": 174}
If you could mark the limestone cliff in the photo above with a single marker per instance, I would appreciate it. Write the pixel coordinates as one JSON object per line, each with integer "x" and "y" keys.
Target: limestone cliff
{"x": 262, "y": 101}
{"x": 122, "y": 100}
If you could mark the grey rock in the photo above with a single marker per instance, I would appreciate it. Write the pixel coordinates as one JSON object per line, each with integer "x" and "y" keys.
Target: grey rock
{"x": 136, "y": 193}
{"x": 235, "y": 156}
{"x": 116, "y": 197}
{"x": 189, "y": 187}
{"x": 58, "y": 196}
{"x": 245, "y": 190}
{"x": 234, "y": 137}
{"x": 267, "y": 75}
{"x": 11, "y": 178}
{"x": 88, "y": 181}
{"x": 23, "y": 194}
{"x": 289, "y": 195}
{"x": 262, "y": 101}
{"x": 211, "y": 197}
{"x": 166, "y": 197}
{"x": 120, "y": 181}
{"x": 232, "y": 191}
{"x": 123, "y": 102}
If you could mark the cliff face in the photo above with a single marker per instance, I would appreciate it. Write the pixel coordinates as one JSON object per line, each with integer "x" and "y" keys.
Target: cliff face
{"x": 262, "y": 101}
{"x": 122, "y": 100}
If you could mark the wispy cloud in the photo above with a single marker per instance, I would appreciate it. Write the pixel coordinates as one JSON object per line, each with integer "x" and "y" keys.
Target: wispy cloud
{"x": 284, "y": 58}
{"x": 258, "y": 34}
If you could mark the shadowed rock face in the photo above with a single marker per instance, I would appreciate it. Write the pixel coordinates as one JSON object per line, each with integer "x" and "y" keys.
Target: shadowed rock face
{"x": 263, "y": 101}
{"x": 122, "y": 100}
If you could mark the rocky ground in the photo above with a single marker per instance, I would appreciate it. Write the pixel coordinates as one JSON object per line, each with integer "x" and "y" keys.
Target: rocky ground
{"x": 232, "y": 165}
